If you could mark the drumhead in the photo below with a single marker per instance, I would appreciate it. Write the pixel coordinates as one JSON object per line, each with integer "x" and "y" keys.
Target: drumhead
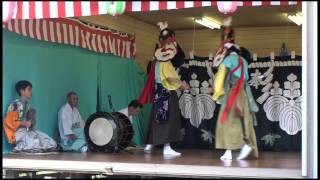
{"x": 108, "y": 132}
{"x": 101, "y": 131}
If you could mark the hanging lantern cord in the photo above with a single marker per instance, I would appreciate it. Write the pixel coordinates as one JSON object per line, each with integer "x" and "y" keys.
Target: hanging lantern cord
{"x": 194, "y": 32}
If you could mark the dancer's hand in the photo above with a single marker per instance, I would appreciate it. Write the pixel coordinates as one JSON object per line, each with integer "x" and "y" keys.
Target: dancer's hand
{"x": 72, "y": 137}
{"x": 210, "y": 90}
{"x": 185, "y": 86}
{"x": 26, "y": 124}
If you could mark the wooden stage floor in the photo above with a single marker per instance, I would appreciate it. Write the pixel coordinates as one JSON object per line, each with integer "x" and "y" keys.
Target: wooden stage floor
{"x": 192, "y": 163}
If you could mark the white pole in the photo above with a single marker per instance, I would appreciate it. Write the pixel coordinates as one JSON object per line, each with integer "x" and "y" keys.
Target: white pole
{"x": 315, "y": 89}
{"x": 304, "y": 89}
{"x": 310, "y": 89}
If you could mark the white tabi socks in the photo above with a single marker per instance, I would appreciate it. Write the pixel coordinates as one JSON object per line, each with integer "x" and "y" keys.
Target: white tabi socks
{"x": 168, "y": 151}
{"x": 148, "y": 148}
{"x": 227, "y": 155}
{"x": 245, "y": 151}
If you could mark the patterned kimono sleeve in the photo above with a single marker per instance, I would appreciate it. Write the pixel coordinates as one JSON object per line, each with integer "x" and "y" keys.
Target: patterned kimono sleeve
{"x": 12, "y": 107}
{"x": 11, "y": 122}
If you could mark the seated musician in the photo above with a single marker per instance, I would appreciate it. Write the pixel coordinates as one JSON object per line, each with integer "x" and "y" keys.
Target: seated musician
{"x": 71, "y": 126}
{"x": 133, "y": 109}
{"x": 19, "y": 125}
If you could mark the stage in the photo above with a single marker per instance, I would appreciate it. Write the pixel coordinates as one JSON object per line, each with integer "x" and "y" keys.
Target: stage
{"x": 192, "y": 164}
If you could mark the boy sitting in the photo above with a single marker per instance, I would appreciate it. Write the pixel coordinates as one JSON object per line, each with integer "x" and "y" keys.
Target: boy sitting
{"x": 19, "y": 124}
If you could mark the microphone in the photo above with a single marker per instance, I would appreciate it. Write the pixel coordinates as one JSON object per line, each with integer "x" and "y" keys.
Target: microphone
{"x": 110, "y": 102}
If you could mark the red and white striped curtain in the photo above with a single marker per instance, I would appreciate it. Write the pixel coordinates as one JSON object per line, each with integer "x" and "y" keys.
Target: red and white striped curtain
{"x": 37, "y": 19}
{"x": 136, "y": 6}
{"x": 75, "y": 33}
{"x": 60, "y": 9}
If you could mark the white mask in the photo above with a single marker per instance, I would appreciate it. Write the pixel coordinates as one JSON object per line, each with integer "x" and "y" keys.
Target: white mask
{"x": 166, "y": 53}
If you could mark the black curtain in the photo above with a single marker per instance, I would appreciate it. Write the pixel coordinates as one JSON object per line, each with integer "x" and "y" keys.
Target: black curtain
{"x": 278, "y": 95}
{"x": 276, "y": 86}
{"x": 198, "y": 126}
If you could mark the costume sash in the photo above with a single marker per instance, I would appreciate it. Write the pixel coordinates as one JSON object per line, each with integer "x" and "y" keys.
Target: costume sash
{"x": 147, "y": 93}
{"x": 235, "y": 92}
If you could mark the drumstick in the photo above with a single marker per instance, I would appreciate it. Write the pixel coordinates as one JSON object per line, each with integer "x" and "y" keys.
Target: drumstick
{"x": 123, "y": 149}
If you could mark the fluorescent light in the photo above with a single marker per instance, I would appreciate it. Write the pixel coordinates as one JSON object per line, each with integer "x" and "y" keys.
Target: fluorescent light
{"x": 208, "y": 23}
{"x": 297, "y": 18}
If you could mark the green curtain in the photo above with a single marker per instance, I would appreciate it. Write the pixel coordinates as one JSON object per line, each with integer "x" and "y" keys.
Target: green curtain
{"x": 129, "y": 81}
{"x": 56, "y": 69}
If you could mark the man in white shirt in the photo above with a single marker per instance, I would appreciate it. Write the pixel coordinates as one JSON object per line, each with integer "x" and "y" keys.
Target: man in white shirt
{"x": 71, "y": 126}
{"x": 133, "y": 109}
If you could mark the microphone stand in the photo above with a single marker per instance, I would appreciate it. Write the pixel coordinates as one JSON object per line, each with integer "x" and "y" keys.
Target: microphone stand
{"x": 112, "y": 109}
